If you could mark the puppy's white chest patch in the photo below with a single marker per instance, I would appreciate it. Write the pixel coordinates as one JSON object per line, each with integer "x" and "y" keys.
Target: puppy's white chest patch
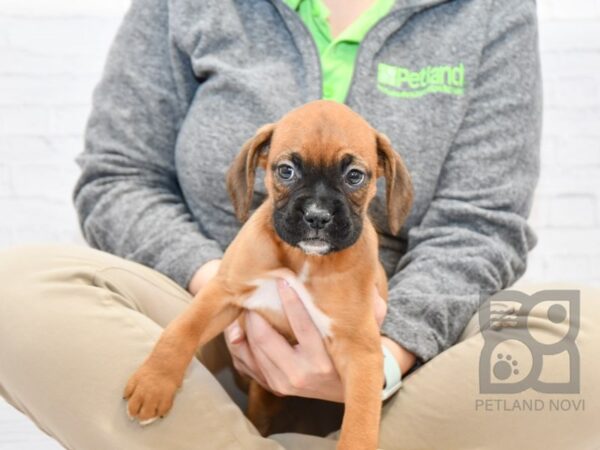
{"x": 266, "y": 296}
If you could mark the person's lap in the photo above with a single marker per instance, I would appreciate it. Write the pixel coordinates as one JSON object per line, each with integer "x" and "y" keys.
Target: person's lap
{"x": 76, "y": 322}
{"x": 74, "y": 325}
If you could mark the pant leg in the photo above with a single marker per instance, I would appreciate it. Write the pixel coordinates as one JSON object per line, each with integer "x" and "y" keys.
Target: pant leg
{"x": 74, "y": 325}
{"x": 440, "y": 405}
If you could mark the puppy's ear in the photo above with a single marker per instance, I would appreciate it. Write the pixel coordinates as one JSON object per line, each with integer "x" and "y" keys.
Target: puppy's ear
{"x": 398, "y": 185}
{"x": 241, "y": 173}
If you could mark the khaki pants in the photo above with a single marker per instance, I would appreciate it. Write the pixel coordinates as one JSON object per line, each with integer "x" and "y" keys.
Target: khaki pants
{"x": 76, "y": 322}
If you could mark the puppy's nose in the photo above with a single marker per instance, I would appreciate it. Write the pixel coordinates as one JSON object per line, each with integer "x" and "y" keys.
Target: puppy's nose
{"x": 317, "y": 218}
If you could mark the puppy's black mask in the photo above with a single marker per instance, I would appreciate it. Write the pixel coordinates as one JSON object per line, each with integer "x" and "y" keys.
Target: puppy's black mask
{"x": 315, "y": 209}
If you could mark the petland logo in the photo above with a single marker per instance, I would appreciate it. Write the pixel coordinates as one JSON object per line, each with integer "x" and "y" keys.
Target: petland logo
{"x": 524, "y": 332}
{"x": 403, "y": 82}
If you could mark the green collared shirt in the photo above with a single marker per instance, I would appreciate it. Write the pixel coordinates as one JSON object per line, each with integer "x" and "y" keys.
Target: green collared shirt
{"x": 337, "y": 55}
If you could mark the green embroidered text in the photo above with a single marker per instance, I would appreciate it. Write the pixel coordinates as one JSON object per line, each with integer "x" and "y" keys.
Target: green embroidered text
{"x": 403, "y": 82}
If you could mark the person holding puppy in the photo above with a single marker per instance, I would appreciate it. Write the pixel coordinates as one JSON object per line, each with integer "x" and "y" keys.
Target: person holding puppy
{"x": 454, "y": 85}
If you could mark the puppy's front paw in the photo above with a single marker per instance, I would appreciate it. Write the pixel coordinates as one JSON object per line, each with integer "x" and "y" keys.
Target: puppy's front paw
{"x": 150, "y": 395}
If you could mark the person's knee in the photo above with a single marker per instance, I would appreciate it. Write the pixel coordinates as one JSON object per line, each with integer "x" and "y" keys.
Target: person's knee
{"x": 15, "y": 259}
{"x": 581, "y": 298}
{"x": 18, "y": 263}
{"x": 29, "y": 270}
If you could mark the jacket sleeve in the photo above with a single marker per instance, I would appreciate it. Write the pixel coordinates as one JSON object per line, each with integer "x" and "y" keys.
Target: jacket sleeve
{"x": 474, "y": 238}
{"x": 127, "y": 197}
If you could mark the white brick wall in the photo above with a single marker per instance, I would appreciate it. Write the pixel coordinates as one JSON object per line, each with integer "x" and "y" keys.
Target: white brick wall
{"x": 51, "y": 56}
{"x": 566, "y": 214}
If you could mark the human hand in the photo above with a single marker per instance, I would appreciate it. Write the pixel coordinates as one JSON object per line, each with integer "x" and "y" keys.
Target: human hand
{"x": 203, "y": 275}
{"x": 304, "y": 370}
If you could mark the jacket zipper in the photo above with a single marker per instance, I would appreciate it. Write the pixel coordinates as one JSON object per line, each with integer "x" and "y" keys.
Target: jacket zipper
{"x": 377, "y": 24}
{"x": 315, "y": 50}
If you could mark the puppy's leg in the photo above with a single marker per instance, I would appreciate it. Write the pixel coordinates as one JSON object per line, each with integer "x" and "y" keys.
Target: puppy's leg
{"x": 262, "y": 407}
{"x": 151, "y": 389}
{"x": 360, "y": 364}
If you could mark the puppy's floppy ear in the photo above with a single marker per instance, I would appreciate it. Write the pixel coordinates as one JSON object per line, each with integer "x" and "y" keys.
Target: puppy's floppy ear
{"x": 398, "y": 185}
{"x": 241, "y": 173}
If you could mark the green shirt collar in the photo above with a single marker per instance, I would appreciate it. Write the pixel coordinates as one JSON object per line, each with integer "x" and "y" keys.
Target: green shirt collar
{"x": 337, "y": 56}
{"x": 357, "y": 30}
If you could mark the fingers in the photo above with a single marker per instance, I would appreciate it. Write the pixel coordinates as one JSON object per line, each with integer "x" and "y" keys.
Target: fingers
{"x": 241, "y": 354}
{"x": 245, "y": 362}
{"x": 304, "y": 329}
{"x": 274, "y": 355}
{"x": 261, "y": 335}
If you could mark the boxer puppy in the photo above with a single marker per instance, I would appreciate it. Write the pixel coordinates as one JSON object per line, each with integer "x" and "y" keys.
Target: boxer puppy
{"x": 321, "y": 162}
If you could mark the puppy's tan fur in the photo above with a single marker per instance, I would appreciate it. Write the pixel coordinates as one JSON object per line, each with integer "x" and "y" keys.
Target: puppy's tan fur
{"x": 340, "y": 283}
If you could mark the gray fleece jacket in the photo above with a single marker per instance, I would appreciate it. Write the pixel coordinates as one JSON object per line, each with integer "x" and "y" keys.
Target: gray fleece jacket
{"x": 454, "y": 84}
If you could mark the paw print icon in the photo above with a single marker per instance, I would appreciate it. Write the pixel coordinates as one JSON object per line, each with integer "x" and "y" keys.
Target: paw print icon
{"x": 505, "y": 367}
{"x": 521, "y": 333}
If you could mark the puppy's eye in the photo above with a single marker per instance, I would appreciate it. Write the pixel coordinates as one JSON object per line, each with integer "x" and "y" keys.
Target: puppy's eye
{"x": 286, "y": 172}
{"x": 354, "y": 177}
